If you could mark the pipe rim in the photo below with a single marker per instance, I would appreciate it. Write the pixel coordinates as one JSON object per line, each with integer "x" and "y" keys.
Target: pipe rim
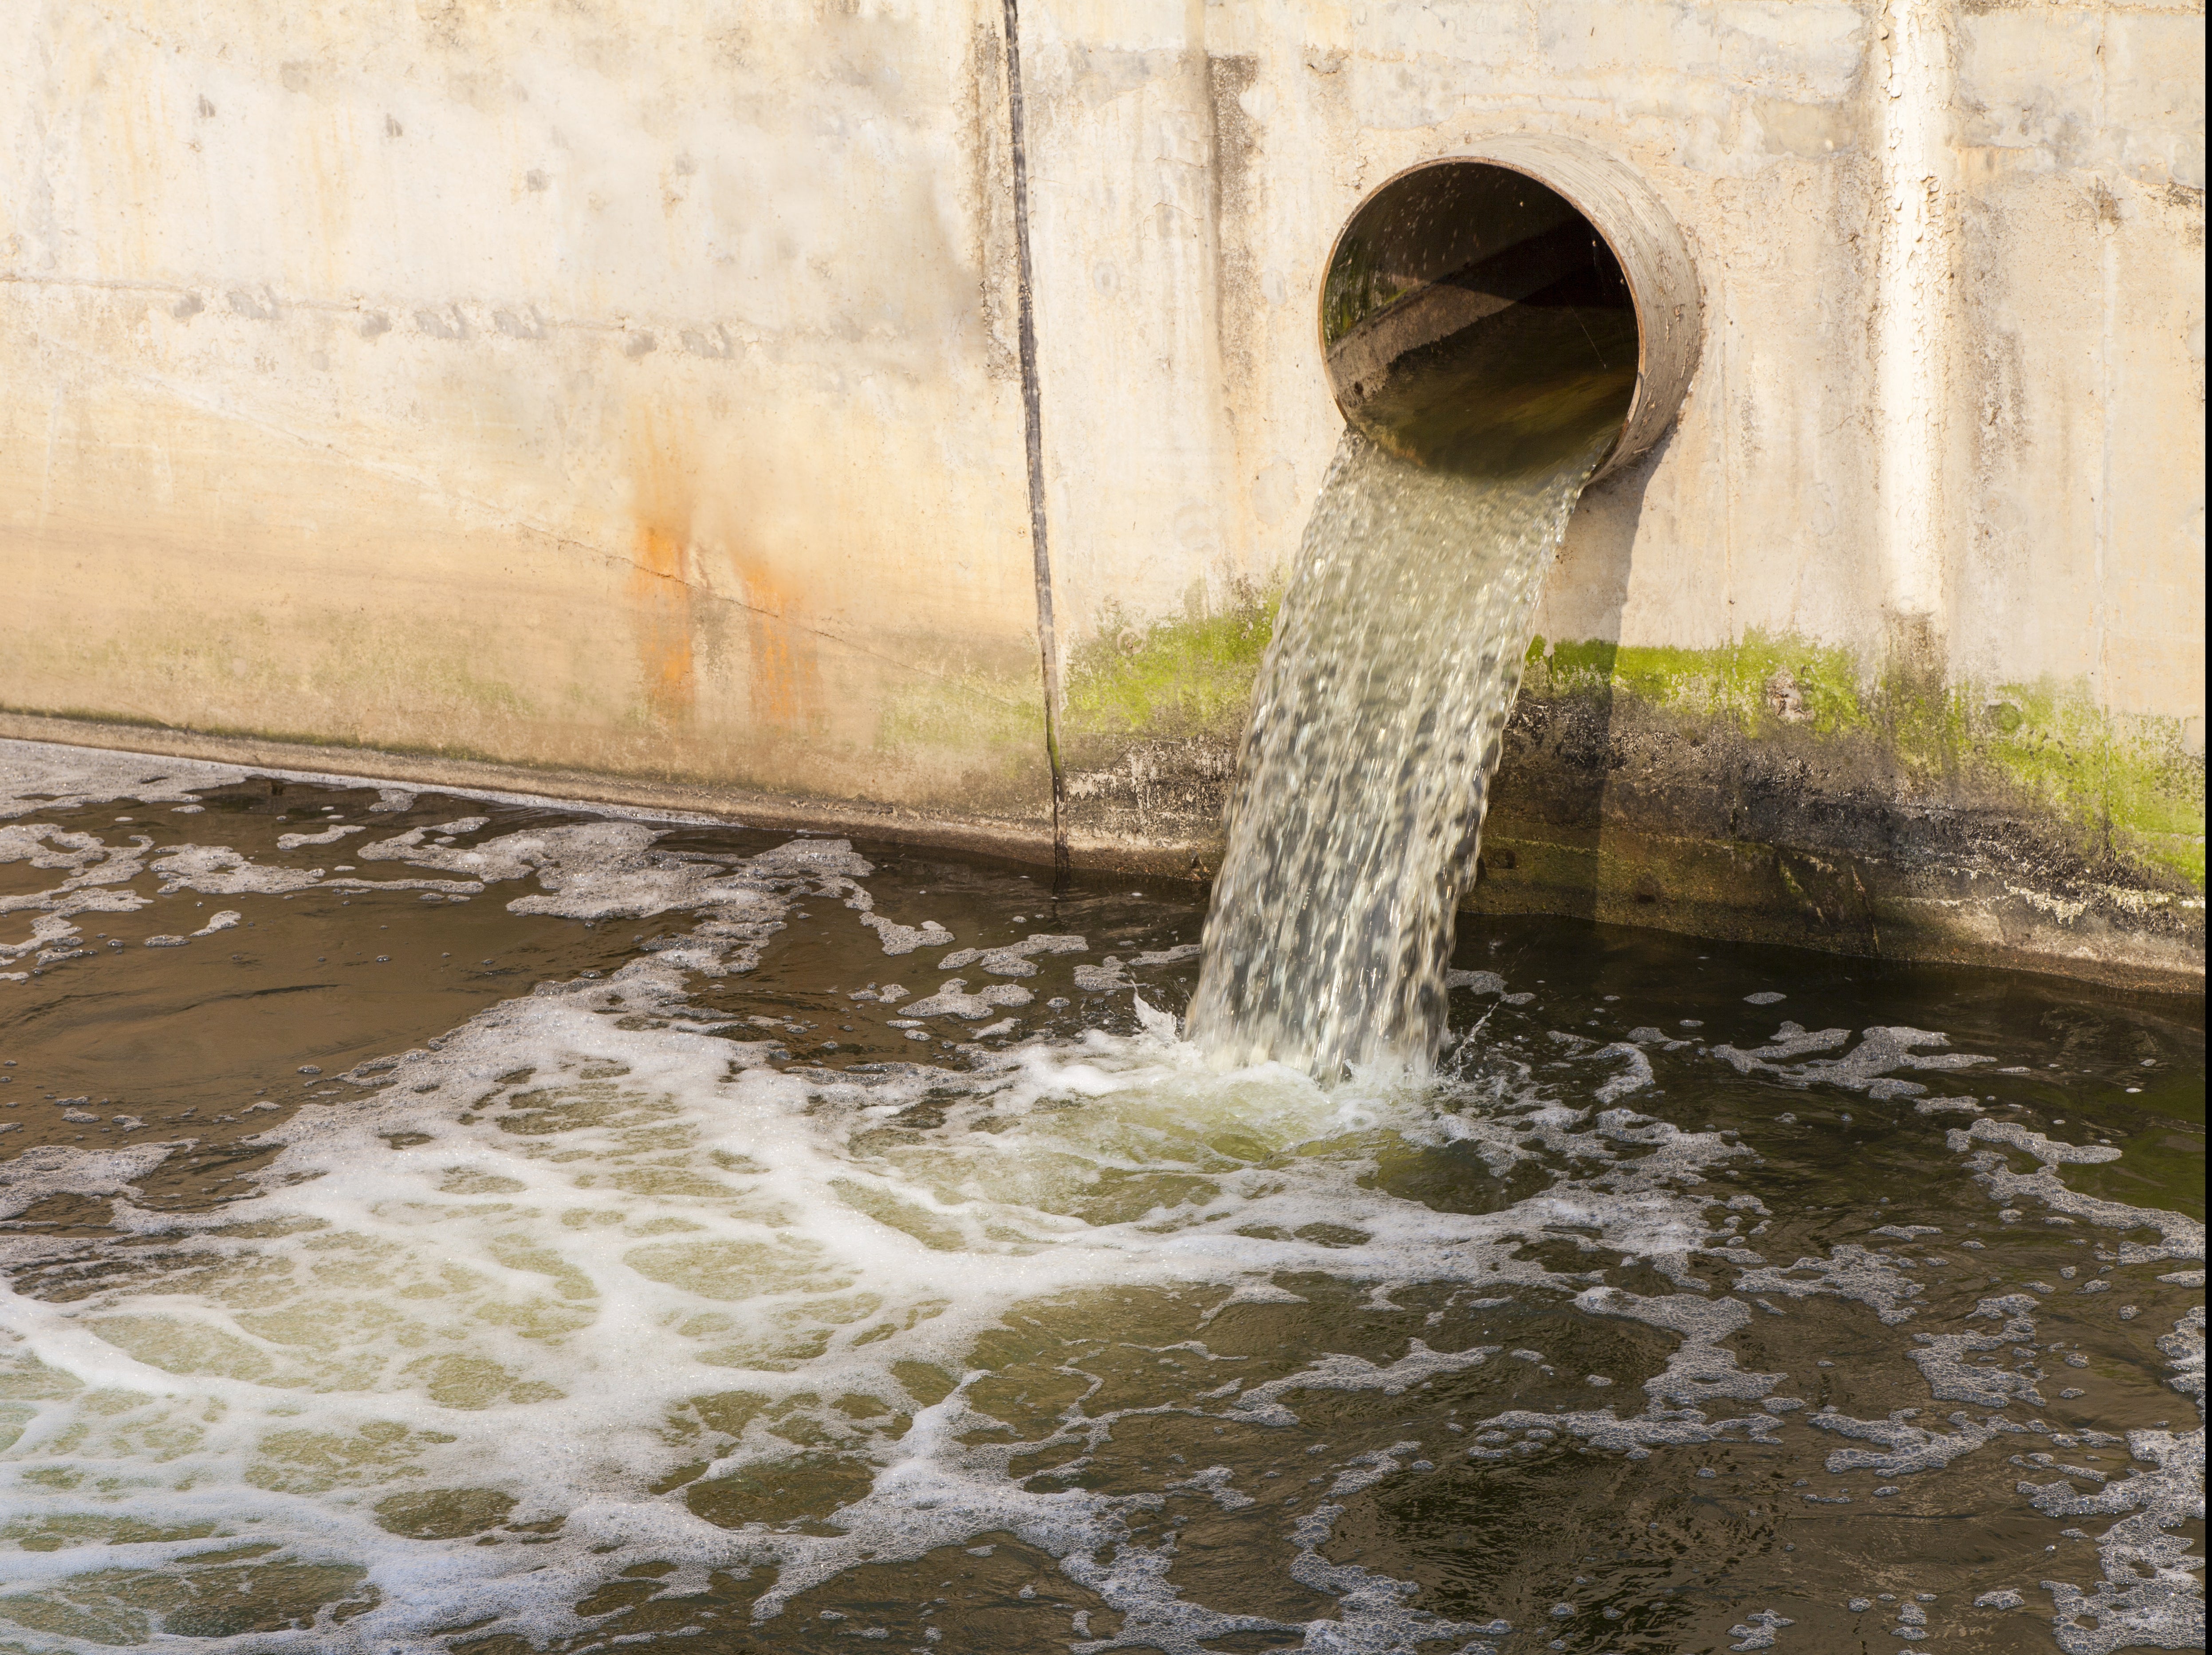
{"x": 1498, "y": 151}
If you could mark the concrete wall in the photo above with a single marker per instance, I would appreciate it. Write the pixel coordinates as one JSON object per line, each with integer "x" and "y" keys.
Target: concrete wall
{"x": 632, "y": 392}
{"x": 625, "y": 387}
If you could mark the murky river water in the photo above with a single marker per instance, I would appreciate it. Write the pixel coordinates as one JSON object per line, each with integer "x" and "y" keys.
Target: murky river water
{"x": 440, "y": 1223}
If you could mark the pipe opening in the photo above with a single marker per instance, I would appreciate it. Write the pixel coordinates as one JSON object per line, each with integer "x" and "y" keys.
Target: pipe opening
{"x": 1492, "y": 313}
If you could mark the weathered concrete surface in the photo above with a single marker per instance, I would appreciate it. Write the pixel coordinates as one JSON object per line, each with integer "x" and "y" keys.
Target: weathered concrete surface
{"x": 1890, "y": 826}
{"x": 604, "y": 387}
{"x": 630, "y": 392}
{"x": 1761, "y": 794}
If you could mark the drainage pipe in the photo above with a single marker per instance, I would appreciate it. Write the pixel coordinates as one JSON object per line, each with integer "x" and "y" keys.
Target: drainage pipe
{"x": 1497, "y": 308}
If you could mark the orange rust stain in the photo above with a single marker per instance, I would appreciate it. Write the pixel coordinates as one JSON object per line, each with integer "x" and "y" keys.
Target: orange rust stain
{"x": 661, "y": 597}
{"x": 662, "y": 605}
{"x": 785, "y": 679}
{"x": 693, "y": 517}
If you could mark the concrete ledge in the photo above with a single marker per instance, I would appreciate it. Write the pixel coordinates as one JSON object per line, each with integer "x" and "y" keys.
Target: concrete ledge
{"x": 1608, "y": 809}
{"x": 1871, "y": 907}
{"x": 1734, "y": 891}
{"x": 979, "y": 836}
{"x": 1947, "y": 885}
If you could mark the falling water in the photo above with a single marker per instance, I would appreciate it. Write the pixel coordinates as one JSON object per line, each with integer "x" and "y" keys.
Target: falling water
{"x": 1375, "y": 728}
{"x": 1483, "y": 342}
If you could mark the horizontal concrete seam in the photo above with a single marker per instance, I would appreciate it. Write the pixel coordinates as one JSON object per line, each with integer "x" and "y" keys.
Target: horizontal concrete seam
{"x": 861, "y": 650}
{"x": 741, "y": 332}
{"x": 110, "y": 283}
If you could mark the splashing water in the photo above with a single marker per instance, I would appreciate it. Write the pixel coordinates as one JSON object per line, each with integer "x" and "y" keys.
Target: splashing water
{"x": 541, "y": 1231}
{"x": 1377, "y": 725}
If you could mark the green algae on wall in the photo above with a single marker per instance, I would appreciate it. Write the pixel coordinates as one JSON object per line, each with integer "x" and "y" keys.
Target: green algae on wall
{"x": 1759, "y": 682}
{"x": 991, "y": 718}
{"x": 2134, "y": 780}
{"x": 2127, "y": 788}
{"x": 1180, "y": 677}
{"x": 2121, "y": 788}
{"x": 981, "y": 724}
{"x": 1153, "y": 717}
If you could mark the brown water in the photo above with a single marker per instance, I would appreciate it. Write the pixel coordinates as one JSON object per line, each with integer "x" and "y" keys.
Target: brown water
{"x": 672, "y": 1284}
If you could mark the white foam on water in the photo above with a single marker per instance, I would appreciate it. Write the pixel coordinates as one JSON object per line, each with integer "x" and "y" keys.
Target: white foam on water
{"x": 1019, "y": 959}
{"x": 96, "y": 881}
{"x": 2180, "y": 1235}
{"x": 589, "y": 871}
{"x": 38, "y": 776}
{"x": 63, "y": 1170}
{"x": 446, "y": 1284}
{"x": 329, "y": 836}
{"x": 219, "y": 870}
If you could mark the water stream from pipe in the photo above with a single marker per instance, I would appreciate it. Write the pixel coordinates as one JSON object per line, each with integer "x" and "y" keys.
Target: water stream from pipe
{"x": 1377, "y": 725}
{"x": 1487, "y": 345}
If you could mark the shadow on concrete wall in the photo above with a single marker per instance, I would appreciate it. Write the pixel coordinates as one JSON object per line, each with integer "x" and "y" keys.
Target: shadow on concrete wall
{"x": 1548, "y": 803}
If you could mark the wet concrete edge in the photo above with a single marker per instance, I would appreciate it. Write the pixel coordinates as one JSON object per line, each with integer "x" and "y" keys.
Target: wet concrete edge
{"x": 1725, "y": 839}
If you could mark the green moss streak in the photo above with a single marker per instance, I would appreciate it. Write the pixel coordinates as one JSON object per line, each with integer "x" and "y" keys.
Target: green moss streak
{"x": 2127, "y": 785}
{"x": 2132, "y": 780}
{"x": 1174, "y": 677}
{"x": 1733, "y": 684}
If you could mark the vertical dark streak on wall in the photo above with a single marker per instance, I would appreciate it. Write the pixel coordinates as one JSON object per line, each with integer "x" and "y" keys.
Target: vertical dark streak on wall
{"x": 1033, "y": 434}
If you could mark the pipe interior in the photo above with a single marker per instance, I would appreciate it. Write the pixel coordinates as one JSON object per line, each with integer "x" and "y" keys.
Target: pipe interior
{"x": 1474, "y": 321}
